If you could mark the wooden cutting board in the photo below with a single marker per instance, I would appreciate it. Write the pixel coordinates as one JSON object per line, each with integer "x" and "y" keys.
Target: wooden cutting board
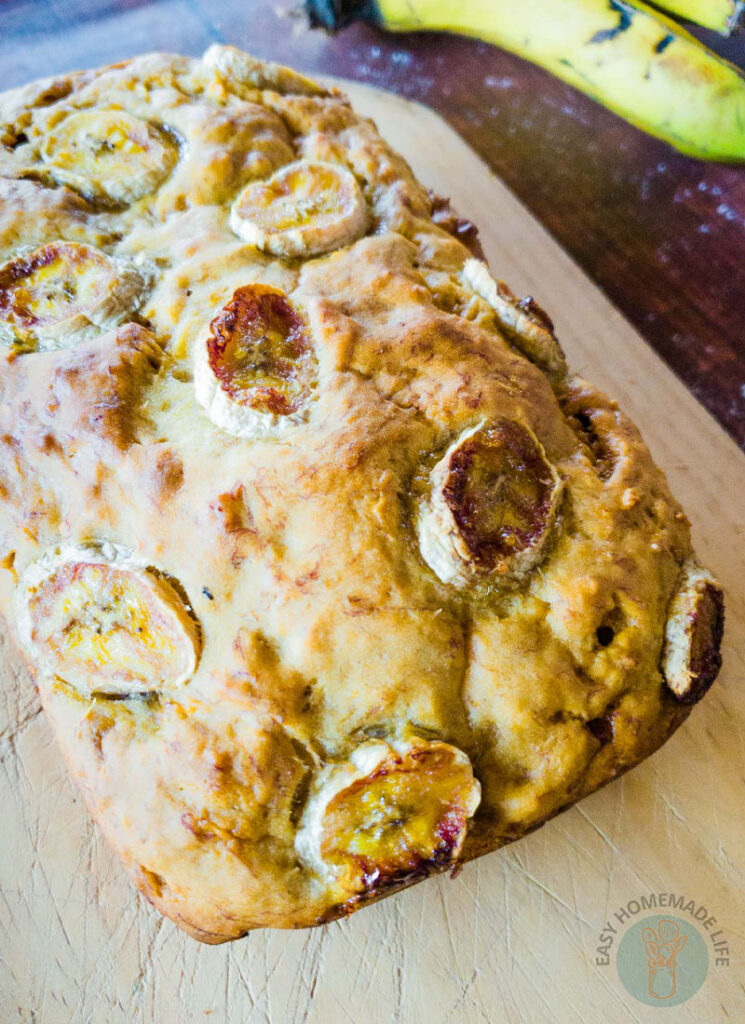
{"x": 514, "y": 937}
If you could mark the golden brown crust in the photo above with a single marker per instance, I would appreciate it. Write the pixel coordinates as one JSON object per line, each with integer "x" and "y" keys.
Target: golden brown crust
{"x": 335, "y": 635}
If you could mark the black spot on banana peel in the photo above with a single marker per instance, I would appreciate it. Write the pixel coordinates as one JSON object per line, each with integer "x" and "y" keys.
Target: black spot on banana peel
{"x": 625, "y": 14}
{"x": 626, "y": 55}
{"x": 664, "y": 43}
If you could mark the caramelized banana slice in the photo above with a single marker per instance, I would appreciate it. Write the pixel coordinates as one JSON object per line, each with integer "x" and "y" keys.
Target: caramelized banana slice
{"x": 393, "y": 811}
{"x": 691, "y": 658}
{"x": 257, "y": 369}
{"x": 525, "y": 323}
{"x": 492, "y": 504}
{"x": 109, "y": 154}
{"x": 304, "y": 209}
{"x": 105, "y": 623}
{"x": 63, "y": 293}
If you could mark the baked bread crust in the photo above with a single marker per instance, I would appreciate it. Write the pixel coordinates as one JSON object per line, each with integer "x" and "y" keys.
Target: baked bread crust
{"x": 425, "y": 583}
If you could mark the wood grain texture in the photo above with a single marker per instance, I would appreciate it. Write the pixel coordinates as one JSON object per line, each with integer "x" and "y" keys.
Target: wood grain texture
{"x": 662, "y": 234}
{"x": 512, "y": 939}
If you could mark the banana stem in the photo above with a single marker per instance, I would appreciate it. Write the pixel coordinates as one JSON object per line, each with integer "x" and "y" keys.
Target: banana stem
{"x": 721, "y": 15}
{"x": 632, "y": 59}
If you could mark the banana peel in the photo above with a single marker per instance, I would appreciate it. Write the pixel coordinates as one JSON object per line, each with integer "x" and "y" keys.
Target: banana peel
{"x": 721, "y": 15}
{"x": 636, "y": 61}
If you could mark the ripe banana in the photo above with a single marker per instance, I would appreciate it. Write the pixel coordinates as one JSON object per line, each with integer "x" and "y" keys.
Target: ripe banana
{"x": 721, "y": 15}
{"x": 637, "y": 62}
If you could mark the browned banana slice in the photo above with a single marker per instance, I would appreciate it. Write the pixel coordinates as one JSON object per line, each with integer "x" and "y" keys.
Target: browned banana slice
{"x": 492, "y": 504}
{"x": 63, "y": 293}
{"x": 105, "y": 623}
{"x": 691, "y": 657}
{"x": 256, "y": 370}
{"x": 304, "y": 209}
{"x": 109, "y": 154}
{"x": 526, "y": 324}
{"x": 394, "y": 810}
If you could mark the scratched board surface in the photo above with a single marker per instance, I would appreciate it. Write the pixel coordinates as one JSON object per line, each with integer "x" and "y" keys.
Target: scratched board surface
{"x": 513, "y": 939}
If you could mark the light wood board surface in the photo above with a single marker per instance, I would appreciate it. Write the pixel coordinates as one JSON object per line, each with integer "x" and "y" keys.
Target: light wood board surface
{"x": 513, "y": 939}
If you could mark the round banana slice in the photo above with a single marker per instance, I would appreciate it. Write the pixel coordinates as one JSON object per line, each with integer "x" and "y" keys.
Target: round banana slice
{"x": 105, "y": 623}
{"x": 109, "y": 154}
{"x": 691, "y": 658}
{"x": 304, "y": 209}
{"x": 527, "y": 326}
{"x": 256, "y": 370}
{"x": 63, "y": 293}
{"x": 491, "y": 506}
{"x": 395, "y": 810}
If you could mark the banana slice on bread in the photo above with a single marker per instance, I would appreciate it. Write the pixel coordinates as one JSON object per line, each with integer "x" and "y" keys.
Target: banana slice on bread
{"x": 304, "y": 209}
{"x": 109, "y": 154}
{"x": 63, "y": 293}
{"x": 255, "y": 371}
{"x": 106, "y": 623}
{"x": 392, "y": 812}
{"x": 691, "y": 658}
{"x": 492, "y": 504}
{"x": 523, "y": 320}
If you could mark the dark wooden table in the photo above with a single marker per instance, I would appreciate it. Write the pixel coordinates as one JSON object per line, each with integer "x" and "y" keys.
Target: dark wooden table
{"x": 662, "y": 234}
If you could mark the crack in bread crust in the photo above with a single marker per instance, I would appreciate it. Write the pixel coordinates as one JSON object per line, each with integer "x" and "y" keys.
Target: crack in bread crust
{"x": 324, "y": 631}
